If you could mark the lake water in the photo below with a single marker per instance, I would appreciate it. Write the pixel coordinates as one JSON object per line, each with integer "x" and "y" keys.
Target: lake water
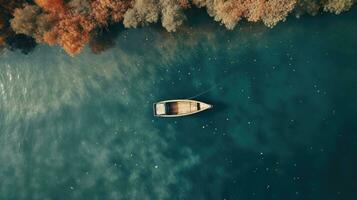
{"x": 283, "y": 124}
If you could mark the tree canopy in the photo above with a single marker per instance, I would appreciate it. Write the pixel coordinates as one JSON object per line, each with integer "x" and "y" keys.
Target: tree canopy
{"x": 74, "y": 23}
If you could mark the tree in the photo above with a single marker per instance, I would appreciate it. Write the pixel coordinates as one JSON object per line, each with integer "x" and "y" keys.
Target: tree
{"x": 8, "y": 37}
{"x": 74, "y": 23}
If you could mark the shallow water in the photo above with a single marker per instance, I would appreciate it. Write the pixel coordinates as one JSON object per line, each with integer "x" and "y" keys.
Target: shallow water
{"x": 283, "y": 124}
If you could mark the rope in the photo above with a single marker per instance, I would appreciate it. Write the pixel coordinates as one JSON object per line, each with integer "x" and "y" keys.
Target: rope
{"x": 204, "y": 92}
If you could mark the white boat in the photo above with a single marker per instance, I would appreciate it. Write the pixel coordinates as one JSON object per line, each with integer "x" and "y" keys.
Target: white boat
{"x": 179, "y": 107}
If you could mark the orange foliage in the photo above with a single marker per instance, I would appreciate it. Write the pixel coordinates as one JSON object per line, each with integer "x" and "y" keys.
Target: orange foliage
{"x": 104, "y": 11}
{"x": 276, "y": 11}
{"x": 53, "y": 6}
{"x": 230, "y": 12}
{"x": 72, "y": 31}
{"x": 73, "y": 23}
{"x": 184, "y": 4}
{"x": 255, "y": 10}
{"x": 70, "y": 34}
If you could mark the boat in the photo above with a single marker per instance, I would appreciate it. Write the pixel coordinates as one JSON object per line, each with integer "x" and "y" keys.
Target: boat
{"x": 179, "y": 107}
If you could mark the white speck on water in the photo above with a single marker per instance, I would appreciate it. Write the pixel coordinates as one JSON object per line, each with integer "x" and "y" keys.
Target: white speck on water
{"x": 156, "y": 166}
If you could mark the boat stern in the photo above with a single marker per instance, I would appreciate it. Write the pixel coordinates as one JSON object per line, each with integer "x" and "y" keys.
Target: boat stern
{"x": 159, "y": 109}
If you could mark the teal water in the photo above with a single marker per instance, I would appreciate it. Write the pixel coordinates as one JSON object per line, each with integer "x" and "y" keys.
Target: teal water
{"x": 283, "y": 125}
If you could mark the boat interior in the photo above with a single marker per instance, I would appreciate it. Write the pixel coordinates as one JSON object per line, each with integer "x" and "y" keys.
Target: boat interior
{"x": 171, "y": 108}
{"x": 174, "y": 108}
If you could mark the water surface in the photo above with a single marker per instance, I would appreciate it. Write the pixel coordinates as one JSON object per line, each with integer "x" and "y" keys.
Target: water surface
{"x": 283, "y": 124}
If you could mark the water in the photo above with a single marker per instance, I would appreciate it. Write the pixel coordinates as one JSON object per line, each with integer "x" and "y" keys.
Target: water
{"x": 283, "y": 125}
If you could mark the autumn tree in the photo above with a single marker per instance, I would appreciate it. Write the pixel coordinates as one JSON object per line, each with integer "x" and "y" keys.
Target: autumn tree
{"x": 74, "y": 23}
{"x": 52, "y": 6}
{"x": 338, "y": 6}
{"x": 8, "y": 38}
{"x": 144, "y": 12}
{"x": 32, "y": 21}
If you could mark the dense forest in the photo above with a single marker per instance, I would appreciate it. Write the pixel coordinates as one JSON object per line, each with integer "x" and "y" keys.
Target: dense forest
{"x": 74, "y": 23}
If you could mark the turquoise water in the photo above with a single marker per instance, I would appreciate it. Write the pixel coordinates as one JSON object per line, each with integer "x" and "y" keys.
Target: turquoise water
{"x": 283, "y": 124}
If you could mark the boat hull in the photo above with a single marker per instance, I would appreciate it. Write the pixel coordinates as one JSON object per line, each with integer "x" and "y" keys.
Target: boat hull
{"x": 179, "y": 108}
